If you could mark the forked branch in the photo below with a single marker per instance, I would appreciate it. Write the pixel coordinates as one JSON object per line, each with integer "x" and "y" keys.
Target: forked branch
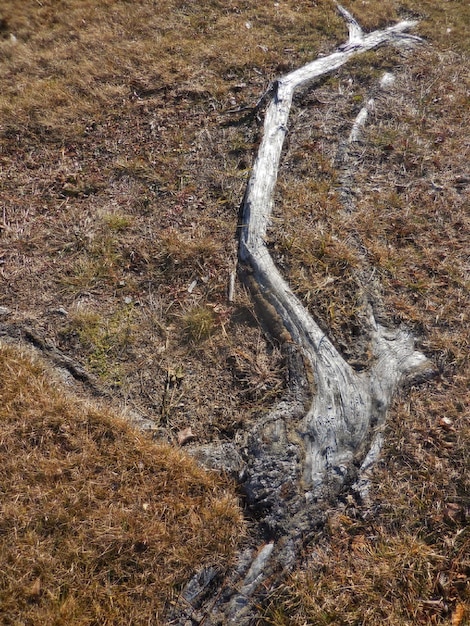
{"x": 320, "y": 435}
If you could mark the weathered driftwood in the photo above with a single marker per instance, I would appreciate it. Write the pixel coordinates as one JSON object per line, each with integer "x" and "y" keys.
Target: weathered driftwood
{"x": 323, "y": 434}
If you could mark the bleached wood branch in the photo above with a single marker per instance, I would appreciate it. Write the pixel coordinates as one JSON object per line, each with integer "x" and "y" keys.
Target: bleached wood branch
{"x": 345, "y": 404}
{"x": 323, "y": 431}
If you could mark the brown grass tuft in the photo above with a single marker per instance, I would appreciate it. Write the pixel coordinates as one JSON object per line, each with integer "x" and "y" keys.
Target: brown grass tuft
{"x": 98, "y": 524}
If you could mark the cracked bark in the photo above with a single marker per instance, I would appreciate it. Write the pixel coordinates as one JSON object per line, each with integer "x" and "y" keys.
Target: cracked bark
{"x": 326, "y": 433}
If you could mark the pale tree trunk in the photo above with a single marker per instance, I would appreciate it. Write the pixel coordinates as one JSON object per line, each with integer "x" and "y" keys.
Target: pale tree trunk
{"x": 327, "y": 431}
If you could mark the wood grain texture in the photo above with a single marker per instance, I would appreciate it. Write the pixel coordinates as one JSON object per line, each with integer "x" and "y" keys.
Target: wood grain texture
{"x": 327, "y": 430}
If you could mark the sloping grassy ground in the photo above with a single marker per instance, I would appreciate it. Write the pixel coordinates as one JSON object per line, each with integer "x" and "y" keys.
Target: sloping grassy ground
{"x": 122, "y": 169}
{"x": 98, "y": 524}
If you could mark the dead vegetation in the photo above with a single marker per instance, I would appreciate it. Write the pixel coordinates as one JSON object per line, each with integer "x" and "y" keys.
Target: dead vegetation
{"x": 98, "y": 524}
{"x": 122, "y": 170}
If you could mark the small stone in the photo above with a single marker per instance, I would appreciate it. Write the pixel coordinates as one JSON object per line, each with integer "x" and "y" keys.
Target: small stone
{"x": 4, "y": 311}
{"x": 446, "y": 423}
{"x": 387, "y": 80}
{"x": 186, "y": 435}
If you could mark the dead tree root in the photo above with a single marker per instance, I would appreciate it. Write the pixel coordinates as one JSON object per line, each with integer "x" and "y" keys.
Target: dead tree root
{"x": 326, "y": 433}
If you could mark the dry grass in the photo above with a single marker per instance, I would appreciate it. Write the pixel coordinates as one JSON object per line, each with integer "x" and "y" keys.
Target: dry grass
{"x": 66, "y": 65}
{"x": 402, "y": 557}
{"x": 121, "y": 175}
{"x": 98, "y": 524}
{"x": 365, "y": 575}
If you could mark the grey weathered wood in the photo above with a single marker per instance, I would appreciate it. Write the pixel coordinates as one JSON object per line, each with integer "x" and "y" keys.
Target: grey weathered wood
{"x": 327, "y": 429}
{"x": 345, "y": 404}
